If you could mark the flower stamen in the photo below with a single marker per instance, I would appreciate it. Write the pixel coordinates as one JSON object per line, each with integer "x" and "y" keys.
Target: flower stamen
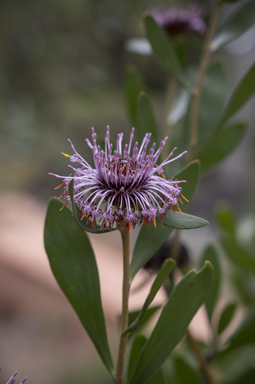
{"x": 184, "y": 198}
{"x": 65, "y": 154}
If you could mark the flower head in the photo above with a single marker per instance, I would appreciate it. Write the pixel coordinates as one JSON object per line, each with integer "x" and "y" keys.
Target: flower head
{"x": 12, "y": 379}
{"x": 123, "y": 185}
{"x": 180, "y": 20}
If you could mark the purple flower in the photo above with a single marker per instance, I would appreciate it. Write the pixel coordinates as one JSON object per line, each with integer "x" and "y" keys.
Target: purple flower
{"x": 123, "y": 186}
{"x": 12, "y": 379}
{"x": 178, "y": 21}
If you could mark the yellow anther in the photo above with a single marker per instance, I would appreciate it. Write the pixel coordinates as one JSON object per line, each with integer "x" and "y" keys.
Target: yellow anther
{"x": 179, "y": 209}
{"x": 184, "y": 198}
{"x": 63, "y": 206}
{"x": 65, "y": 154}
{"x": 154, "y": 221}
{"x": 59, "y": 186}
{"x": 162, "y": 174}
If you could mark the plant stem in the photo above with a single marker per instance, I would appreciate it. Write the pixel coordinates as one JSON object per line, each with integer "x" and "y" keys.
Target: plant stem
{"x": 125, "y": 294}
{"x": 176, "y": 246}
{"x": 169, "y": 100}
{"x": 196, "y": 94}
{"x": 203, "y": 363}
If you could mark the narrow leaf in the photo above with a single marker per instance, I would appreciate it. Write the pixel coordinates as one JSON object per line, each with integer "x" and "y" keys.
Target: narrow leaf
{"x": 182, "y": 305}
{"x": 145, "y": 121}
{"x": 235, "y": 25}
{"x": 211, "y": 255}
{"x": 137, "y": 346}
{"x": 182, "y": 220}
{"x": 221, "y": 145}
{"x": 164, "y": 272}
{"x": 157, "y": 378}
{"x": 243, "y": 92}
{"x": 245, "y": 332}
{"x": 212, "y": 100}
{"x": 226, "y": 317}
{"x": 243, "y": 287}
{"x": 190, "y": 173}
{"x": 239, "y": 255}
{"x": 74, "y": 266}
{"x": 148, "y": 242}
{"x": 179, "y": 108}
{"x": 186, "y": 373}
{"x": 133, "y": 84}
{"x": 84, "y": 224}
{"x": 226, "y": 219}
{"x": 246, "y": 376}
{"x": 150, "y": 239}
{"x": 149, "y": 313}
{"x": 164, "y": 50}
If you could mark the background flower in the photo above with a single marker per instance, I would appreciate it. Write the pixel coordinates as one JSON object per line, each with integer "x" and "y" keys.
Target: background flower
{"x": 178, "y": 21}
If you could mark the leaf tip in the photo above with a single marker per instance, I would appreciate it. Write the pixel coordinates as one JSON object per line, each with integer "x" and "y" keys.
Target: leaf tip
{"x": 207, "y": 223}
{"x": 207, "y": 263}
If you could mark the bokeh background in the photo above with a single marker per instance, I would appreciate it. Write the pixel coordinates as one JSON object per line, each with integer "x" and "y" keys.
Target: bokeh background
{"x": 61, "y": 72}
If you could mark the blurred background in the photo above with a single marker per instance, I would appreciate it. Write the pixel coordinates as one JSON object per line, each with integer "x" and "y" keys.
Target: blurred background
{"x": 61, "y": 72}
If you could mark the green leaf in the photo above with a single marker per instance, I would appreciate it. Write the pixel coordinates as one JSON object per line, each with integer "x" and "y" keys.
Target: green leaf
{"x": 212, "y": 101}
{"x": 149, "y": 313}
{"x": 133, "y": 84}
{"x": 226, "y": 219}
{"x": 247, "y": 377}
{"x": 245, "y": 333}
{"x": 179, "y": 107}
{"x": 74, "y": 266}
{"x": 211, "y": 255}
{"x": 164, "y": 51}
{"x": 145, "y": 121}
{"x": 243, "y": 287}
{"x": 221, "y": 145}
{"x": 226, "y": 317}
{"x": 164, "y": 272}
{"x": 171, "y": 327}
{"x": 157, "y": 378}
{"x": 186, "y": 373}
{"x": 243, "y": 92}
{"x": 150, "y": 239}
{"x": 239, "y": 255}
{"x": 235, "y": 25}
{"x": 190, "y": 173}
{"x": 137, "y": 346}
{"x": 234, "y": 364}
{"x": 148, "y": 242}
{"x": 182, "y": 220}
{"x": 87, "y": 226}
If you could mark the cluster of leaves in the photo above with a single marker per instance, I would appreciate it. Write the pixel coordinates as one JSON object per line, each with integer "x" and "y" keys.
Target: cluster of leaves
{"x": 217, "y": 135}
{"x": 233, "y": 339}
{"x": 72, "y": 258}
